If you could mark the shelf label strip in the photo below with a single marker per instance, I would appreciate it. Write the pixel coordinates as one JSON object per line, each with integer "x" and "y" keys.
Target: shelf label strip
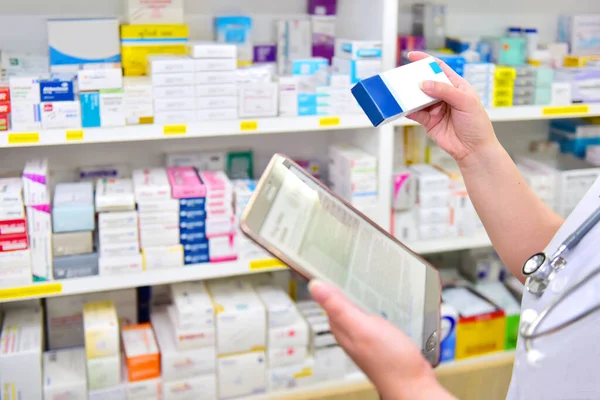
{"x": 74, "y": 136}
{"x": 271, "y": 263}
{"x": 23, "y": 138}
{"x": 175, "y": 129}
{"x": 329, "y": 121}
{"x": 246, "y": 126}
{"x": 39, "y": 290}
{"x": 566, "y": 110}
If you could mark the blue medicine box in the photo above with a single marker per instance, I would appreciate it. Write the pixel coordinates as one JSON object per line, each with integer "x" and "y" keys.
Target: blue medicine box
{"x": 90, "y": 109}
{"x": 196, "y": 204}
{"x": 198, "y": 226}
{"x": 192, "y": 238}
{"x": 192, "y": 216}
{"x": 196, "y": 258}
{"x": 57, "y": 90}
{"x": 73, "y": 208}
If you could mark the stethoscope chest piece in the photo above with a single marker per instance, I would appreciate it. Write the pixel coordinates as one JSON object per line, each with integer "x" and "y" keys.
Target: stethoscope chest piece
{"x": 538, "y": 272}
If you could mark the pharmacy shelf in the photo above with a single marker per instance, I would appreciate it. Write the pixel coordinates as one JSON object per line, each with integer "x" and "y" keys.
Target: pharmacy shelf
{"x": 357, "y": 382}
{"x": 146, "y": 278}
{"x": 184, "y": 130}
{"x": 449, "y": 244}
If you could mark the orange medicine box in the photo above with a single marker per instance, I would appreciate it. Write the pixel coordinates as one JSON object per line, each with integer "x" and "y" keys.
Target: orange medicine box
{"x": 481, "y": 327}
{"x": 141, "y": 352}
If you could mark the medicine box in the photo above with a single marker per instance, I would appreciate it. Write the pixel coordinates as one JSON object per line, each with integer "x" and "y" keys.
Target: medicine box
{"x": 357, "y": 69}
{"x": 151, "y": 184}
{"x": 21, "y": 361}
{"x": 448, "y": 336}
{"x": 191, "y": 302}
{"x": 241, "y": 375}
{"x": 13, "y": 227}
{"x": 146, "y": 389}
{"x": 40, "y": 241}
{"x": 83, "y": 41}
{"x": 112, "y": 107}
{"x": 60, "y": 114}
{"x": 294, "y": 42}
{"x": 162, "y": 257}
{"x": 497, "y": 293}
{"x": 90, "y": 109}
{"x": 99, "y": 79}
{"x": 176, "y": 104}
{"x": 11, "y": 192}
{"x": 158, "y": 206}
{"x": 211, "y": 50}
{"x": 235, "y": 30}
{"x": 177, "y": 364}
{"x": 104, "y": 372}
{"x": 330, "y": 363}
{"x": 75, "y": 266}
{"x": 166, "y": 64}
{"x": 358, "y": 49}
{"x": 174, "y": 92}
{"x": 24, "y": 89}
{"x": 101, "y": 329}
{"x": 56, "y": 90}
{"x": 117, "y": 265}
{"x": 281, "y": 311}
{"x": 285, "y": 378}
{"x": 581, "y": 32}
{"x": 185, "y": 183}
{"x": 198, "y": 387}
{"x": 215, "y": 78}
{"x": 430, "y": 179}
{"x": 65, "y": 374}
{"x": 241, "y": 317}
{"x": 35, "y": 182}
{"x": 114, "y": 221}
{"x": 258, "y": 100}
{"x": 73, "y": 207}
{"x": 142, "y": 12}
{"x": 215, "y": 64}
{"x": 114, "y": 393}
{"x": 396, "y": 93}
{"x": 481, "y": 325}
{"x": 174, "y": 117}
{"x": 114, "y": 195}
{"x": 25, "y": 116}
{"x": 141, "y": 352}
{"x": 281, "y": 356}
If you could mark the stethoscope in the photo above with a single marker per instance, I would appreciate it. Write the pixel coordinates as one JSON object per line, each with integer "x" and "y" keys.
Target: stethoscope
{"x": 541, "y": 270}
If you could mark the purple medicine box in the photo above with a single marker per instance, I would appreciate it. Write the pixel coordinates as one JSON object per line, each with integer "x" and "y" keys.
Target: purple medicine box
{"x": 265, "y": 53}
{"x": 322, "y": 7}
{"x": 323, "y": 37}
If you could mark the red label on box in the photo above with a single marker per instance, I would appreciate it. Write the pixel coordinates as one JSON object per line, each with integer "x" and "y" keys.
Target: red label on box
{"x": 48, "y": 107}
{"x": 13, "y": 243}
{"x": 13, "y": 227}
{"x": 4, "y": 122}
{"x": 4, "y": 94}
{"x": 4, "y": 107}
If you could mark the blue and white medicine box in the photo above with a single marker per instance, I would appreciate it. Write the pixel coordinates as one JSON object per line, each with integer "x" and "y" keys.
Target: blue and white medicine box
{"x": 310, "y": 66}
{"x": 90, "y": 109}
{"x": 83, "y": 41}
{"x": 192, "y": 216}
{"x": 233, "y": 29}
{"x": 358, "y": 49}
{"x": 73, "y": 207}
{"x": 58, "y": 89}
{"x": 198, "y": 226}
{"x": 448, "y": 336}
{"x": 196, "y": 204}
{"x": 191, "y": 238}
{"x": 196, "y": 253}
{"x": 396, "y": 93}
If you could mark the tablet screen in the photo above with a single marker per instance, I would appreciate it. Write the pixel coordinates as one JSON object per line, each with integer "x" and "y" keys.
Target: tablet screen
{"x": 330, "y": 241}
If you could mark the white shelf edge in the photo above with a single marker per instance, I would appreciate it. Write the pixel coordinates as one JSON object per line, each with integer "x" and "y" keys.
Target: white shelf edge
{"x": 99, "y": 283}
{"x": 449, "y": 244}
{"x": 256, "y": 126}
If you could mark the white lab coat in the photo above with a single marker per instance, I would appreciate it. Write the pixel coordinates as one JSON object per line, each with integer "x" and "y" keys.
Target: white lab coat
{"x": 569, "y": 360}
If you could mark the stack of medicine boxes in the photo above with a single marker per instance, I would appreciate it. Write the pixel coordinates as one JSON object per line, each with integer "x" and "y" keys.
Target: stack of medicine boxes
{"x": 481, "y": 77}
{"x": 15, "y": 258}
{"x": 524, "y": 91}
{"x": 309, "y": 74}
{"x": 433, "y": 200}
{"x": 330, "y": 361}
{"x": 21, "y": 354}
{"x": 24, "y": 103}
{"x": 287, "y": 336}
{"x": 58, "y": 107}
{"x": 187, "y": 188}
{"x": 360, "y": 59}
{"x": 36, "y": 196}
{"x": 101, "y": 333}
{"x": 142, "y": 362}
{"x": 173, "y": 83}
{"x": 118, "y": 243}
{"x": 215, "y": 80}
{"x": 504, "y": 86}
{"x": 138, "y": 104}
{"x": 4, "y": 106}
{"x": 186, "y": 336}
{"x": 241, "y": 334}
{"x": 158, "y": 216}
{"x": 353, "y": 175}
{"x": 219, "y": 229}
{"x": 74, "y": 222}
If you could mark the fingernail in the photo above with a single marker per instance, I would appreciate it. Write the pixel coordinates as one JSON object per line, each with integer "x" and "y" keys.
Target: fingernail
{"x": 427, "y": 85}
{"x": 409, "y": 53}
{"x": 314, "y": 283}
{"x": 315, "y": 286}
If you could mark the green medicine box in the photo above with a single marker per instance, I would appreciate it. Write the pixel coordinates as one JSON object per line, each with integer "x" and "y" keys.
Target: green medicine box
{"x": 512, "y": 51}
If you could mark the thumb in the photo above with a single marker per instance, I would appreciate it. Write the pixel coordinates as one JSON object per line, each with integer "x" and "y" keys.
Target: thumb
{"x": 455, "y": 97}
{"x": 340, "y": 310}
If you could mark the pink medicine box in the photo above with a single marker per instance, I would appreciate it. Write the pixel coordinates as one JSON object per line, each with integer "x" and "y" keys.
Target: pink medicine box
{"x": 185, "y": 183}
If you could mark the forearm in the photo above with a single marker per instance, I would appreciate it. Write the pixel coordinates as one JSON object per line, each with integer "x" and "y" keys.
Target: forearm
{"x": 425, "y": 389}
{"x": 518, "y": 223}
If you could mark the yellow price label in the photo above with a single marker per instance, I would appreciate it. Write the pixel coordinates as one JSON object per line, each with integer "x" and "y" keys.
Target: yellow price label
{"x": 73, "y": 136}
{"x": 329, "y": 121}
{"x": 272, "y": 263}
{"x": 23, "y": 138}
{"x": 246, "y": 126}
{"x": 39, "y": 290}
{"x": 566, "y": 110}
{"x": 175, "y": 129}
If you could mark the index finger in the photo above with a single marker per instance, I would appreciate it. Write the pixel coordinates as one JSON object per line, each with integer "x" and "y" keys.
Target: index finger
{"x": 455, "y": 79}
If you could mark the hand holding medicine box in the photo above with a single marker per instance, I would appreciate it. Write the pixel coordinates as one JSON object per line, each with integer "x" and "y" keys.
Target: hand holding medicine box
{"x": 396, "y": 93}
